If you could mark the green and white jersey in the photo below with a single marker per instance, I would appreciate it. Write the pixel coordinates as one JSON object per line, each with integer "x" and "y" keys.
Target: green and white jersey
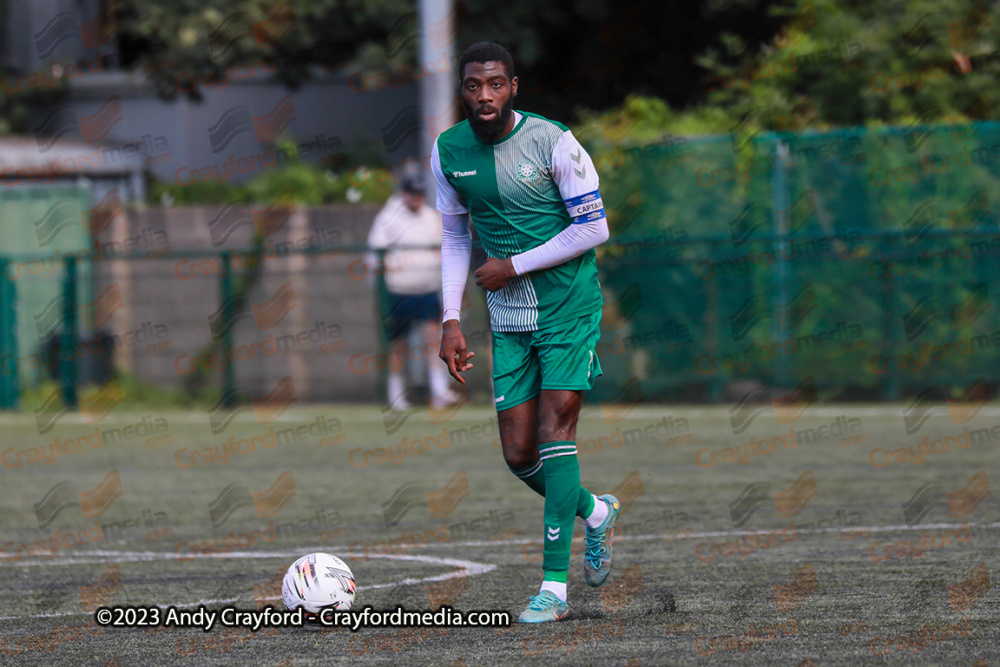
{"x": 521, "y": 191}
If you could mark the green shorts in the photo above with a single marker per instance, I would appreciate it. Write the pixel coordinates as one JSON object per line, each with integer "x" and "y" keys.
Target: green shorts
{"x": 563, "y": 356}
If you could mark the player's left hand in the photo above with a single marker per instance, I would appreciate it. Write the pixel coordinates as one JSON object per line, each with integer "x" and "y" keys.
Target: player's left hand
{"x": 495, "y": 274}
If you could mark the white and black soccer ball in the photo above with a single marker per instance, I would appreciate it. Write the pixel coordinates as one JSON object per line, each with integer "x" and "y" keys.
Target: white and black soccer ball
{"x": 316, "y": 582}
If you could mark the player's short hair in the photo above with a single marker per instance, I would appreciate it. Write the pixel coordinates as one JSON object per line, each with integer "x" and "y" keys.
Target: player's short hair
{"x": 484, "y": 52}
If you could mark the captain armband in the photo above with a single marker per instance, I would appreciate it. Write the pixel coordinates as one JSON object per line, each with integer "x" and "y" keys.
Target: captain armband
{"x": 585, "y": 208}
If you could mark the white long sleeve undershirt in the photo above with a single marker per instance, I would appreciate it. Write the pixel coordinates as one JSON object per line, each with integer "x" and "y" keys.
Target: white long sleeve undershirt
{"x": 571, "y": 242}
{"x": 456, "y": 255}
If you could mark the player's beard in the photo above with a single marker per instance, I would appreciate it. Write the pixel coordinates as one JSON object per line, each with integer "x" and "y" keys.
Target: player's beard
{"x": 490, "y": 130}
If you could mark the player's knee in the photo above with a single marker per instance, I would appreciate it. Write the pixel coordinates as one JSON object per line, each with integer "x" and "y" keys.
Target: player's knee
{"x": 558, "y": 422}
{"x": 556, "y": 429}
{"x": 520, "y": 457}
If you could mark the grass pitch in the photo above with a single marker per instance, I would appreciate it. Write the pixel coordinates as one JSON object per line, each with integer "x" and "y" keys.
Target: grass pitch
{"x": 791, "y": 542}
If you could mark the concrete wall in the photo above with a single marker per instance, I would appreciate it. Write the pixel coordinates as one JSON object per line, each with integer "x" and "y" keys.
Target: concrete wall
{"x": 168, "y": 299}
{"x": 172, "y": 295}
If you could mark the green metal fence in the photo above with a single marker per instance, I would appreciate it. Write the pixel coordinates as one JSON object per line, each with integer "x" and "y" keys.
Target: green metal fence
{"x": 861, "y": 262}
{"x": 44, "y": 222}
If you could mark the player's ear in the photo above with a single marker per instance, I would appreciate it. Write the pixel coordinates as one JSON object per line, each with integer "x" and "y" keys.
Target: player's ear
{"x": 513, "y": 87}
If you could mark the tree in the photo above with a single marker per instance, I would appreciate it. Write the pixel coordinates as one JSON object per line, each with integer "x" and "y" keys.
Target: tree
{"x": 580, "y": 54}
{"x": 834, "y": 63}
{"x": 570, "y": 55}
{"x": 186, "y": 43}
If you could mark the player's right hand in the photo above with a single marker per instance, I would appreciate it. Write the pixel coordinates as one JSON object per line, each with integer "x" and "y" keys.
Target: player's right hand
{"x": 453, "y": 350}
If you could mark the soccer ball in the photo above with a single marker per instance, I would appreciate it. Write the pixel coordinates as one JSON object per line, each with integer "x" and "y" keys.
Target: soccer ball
{"x": 317, "y": 582}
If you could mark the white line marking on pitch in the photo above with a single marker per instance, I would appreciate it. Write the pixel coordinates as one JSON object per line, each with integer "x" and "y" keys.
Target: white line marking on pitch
{"x": 132, "y": 417}
{"x": 834, "y": 410}
{"x": 480, "y": 412}
{"x": 461, "y": 568}
{"x": 735, "y": 533}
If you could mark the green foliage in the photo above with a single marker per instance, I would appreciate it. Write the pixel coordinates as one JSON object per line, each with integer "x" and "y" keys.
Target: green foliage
{"x": 20, "y": 96}
{"x": 184, "y": 44}
{"x": 311, "y": 185}
{"x": 828, "y": 64}
{"x": 695, "y": 243}
{"x": 832, "y": 63}
{"x": 207, "y": 192}
{"x": 591, "y": 54}
{"x": 135, "y": 395}
{"x": 917, "y": 79}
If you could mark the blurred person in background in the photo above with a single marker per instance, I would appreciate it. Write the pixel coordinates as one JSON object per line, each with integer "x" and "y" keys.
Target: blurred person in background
{"x": 409, "y": 232}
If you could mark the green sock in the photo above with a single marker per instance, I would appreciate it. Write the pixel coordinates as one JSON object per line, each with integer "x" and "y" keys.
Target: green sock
{"x": 534, "y": 477}
{"x": 562, "y": 499}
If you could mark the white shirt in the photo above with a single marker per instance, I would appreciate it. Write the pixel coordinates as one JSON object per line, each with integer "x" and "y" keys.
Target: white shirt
{"x": 408, "y": 270}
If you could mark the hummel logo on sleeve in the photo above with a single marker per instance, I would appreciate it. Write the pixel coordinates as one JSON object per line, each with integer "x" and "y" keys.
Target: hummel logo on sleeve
{"x": 459, "y": 174}
{"x": 553, "y": 534}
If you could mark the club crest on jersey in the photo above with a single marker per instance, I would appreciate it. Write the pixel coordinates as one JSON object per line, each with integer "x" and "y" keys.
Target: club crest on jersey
{"x": 528, "y": 172}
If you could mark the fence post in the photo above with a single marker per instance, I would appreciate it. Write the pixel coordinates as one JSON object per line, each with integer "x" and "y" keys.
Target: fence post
{"x": 711, "y": 319}
{"x": 226, "y": 294}
{"x": 69, "y": 345}
{"x": 780, "y": 302}
{"x": 381, "y": 303}
{"x": 890, "y": 324}
{"x": 10, "y": 380}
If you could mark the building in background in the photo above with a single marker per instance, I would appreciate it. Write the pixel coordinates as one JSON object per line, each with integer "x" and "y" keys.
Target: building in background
{"x": 230, "y": 135}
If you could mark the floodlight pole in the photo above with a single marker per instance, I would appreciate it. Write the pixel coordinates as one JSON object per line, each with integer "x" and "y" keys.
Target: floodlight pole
{"x": 439, "y": 83}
